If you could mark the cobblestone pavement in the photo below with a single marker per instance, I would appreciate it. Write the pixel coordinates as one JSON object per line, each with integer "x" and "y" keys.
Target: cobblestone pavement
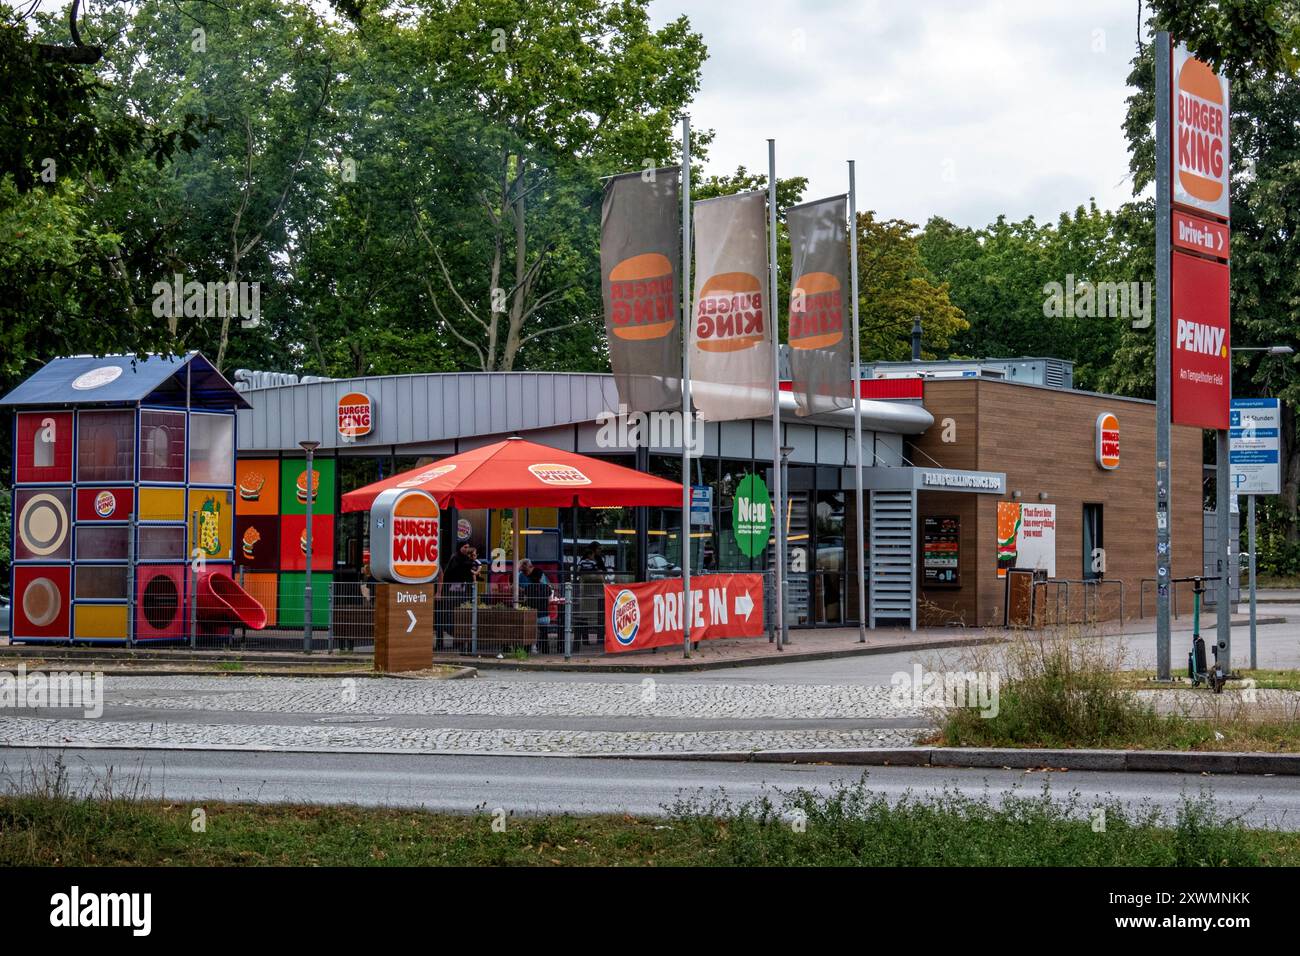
{"x": 636, "y": 697}
{"x": 421, "y": 740}
{"x": 269, "y": 713}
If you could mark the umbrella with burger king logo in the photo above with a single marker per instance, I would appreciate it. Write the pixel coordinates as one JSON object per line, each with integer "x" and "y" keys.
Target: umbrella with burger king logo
{"x": 519, "y": 474}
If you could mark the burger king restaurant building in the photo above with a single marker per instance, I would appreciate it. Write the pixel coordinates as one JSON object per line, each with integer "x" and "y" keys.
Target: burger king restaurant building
{"x": 946, "y": 464}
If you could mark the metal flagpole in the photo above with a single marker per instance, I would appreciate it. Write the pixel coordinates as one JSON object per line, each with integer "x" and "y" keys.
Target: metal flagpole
{"x": 857, "y": 403}
{"x": 1164, "y": 172}
{"x": 778, "y": 489}
{"x": 687, "y": 313}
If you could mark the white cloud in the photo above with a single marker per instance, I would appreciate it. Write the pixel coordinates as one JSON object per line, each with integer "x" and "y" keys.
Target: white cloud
{"x": 958, "y": 108}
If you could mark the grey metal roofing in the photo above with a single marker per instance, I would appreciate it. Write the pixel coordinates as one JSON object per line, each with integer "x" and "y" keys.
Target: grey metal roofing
{"x": 423, "y": 408}
{"x": 126, "y": 379}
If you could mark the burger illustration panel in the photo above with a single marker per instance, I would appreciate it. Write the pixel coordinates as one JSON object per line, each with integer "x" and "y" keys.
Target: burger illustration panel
{"x": 296, "y": 485}
{"x": 257, "y": 489}
{"x": 257, "y": 540}
{"x": 293, "y": 542}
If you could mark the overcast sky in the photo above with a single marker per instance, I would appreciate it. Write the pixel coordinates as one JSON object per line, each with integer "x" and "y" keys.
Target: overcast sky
{"x": 958, "y": 108}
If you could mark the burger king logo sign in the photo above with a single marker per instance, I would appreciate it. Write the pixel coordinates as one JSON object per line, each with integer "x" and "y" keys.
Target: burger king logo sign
{"x": 427, "y": 475}
{"x": 1200, "y": 140}
{"x": 356, "y": 416}
{"x": 729, "y": 313}
{"x": 563, "y": 475}
{"x": 642, "y": 298}
{"x": 820, "y": 323}
{"x": 1107, "y": 441}
{"x": 404, "y": 527}
{"x": 625, "y": 617}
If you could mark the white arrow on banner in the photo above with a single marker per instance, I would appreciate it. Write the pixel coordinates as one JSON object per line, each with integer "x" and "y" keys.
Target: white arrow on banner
{"x": 411, "y": 614}
{"x": 744, "y": 604}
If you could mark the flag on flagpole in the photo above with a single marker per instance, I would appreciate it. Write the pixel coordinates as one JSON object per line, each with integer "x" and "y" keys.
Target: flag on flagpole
{"x": 819, "y": 343}
{"x": 731, "y": 333}
{"x": 640, "y": 238}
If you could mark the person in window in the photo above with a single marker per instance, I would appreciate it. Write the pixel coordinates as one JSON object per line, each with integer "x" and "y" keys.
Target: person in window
{"x": 455, "y": 587}
{"x": 535, "y": 593}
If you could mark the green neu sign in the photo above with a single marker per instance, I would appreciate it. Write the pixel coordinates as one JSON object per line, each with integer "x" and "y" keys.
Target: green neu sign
{"x": 752, "y": 515}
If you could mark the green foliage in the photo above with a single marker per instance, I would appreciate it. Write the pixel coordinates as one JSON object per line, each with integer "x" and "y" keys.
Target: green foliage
{"x": 852, "y": 825}
{"x": 895, "y": 286}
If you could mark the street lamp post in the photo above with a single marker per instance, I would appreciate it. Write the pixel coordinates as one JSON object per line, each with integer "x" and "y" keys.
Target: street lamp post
{"x": 310, "y": 448}
{"x": 783, "y": 515}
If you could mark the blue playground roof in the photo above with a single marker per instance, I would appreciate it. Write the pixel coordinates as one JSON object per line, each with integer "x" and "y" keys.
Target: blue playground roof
{"x": 127, "y": 380}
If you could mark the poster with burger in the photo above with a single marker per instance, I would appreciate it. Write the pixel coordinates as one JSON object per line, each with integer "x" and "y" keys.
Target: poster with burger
{"x": 295, "y": 483}
{"x": 257, "y": 540}
{"x": 293, "y": 542}
{"x": 257, "y": 483}
{"x": 731, "y": 331}
{"x": 820, "y": 324}
{"x": 640, "y": 235}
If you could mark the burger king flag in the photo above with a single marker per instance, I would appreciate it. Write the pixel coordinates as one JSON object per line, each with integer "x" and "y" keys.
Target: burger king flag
{"x": 640, "y": 242}
{"x": 731, "y": 335}
{"x": 820, "y": 337}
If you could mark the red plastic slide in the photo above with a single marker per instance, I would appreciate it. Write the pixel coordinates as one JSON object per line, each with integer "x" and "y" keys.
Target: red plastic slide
{"x": 221, "y": 600}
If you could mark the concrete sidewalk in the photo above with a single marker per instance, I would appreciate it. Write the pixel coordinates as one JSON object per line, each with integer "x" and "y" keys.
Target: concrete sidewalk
{"x": 815, "y": 645}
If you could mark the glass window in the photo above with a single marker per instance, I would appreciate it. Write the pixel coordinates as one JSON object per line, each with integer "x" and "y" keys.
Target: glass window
{"x": 162, "y": 445}
{"x": 106, "y": 446}
{"x": 97, "y": 582}
{"x": 42, "y": 450}
{"x": 102, "y": 542}
{"x": 212, "y": 449}
{"x": 162, "y": 543}
{"x": 1094, "y": 563}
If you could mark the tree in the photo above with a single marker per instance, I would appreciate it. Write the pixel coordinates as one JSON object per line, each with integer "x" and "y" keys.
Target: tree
{"x": 1265, "y": 295}
{"x": 894, "y": 286}
{"x": 566, "y": 90}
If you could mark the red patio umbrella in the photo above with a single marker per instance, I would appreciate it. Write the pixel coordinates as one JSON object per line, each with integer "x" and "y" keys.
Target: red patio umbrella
{"x": 518, "y": 473}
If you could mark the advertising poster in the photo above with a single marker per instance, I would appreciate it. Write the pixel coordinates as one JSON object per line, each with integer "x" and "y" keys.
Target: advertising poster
{"x": 652, "y": 614}
{"x": 1026, "y": 537}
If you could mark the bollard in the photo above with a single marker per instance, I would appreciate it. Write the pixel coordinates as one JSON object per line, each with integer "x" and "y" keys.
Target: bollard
{"x": 568, "y": 619}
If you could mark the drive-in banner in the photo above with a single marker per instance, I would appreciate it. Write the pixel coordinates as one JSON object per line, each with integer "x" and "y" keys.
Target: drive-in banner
{"x": 820, "y": 349}
{"x": 731, "y": 335}
{"x": 652, "y": 614}
{"x": 640, "y": 243}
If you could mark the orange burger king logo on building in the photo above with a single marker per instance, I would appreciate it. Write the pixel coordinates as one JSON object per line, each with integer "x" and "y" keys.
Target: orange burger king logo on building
{"x": 356, "y": 415}
{"x": 642, "y": 298}
{"x": 1107, "y": 441}
{"x": 1201, "y": 150}
{"x": 729, "y": 313}
{"x": 565, "y": 475}
{"x": 820, "y": 323}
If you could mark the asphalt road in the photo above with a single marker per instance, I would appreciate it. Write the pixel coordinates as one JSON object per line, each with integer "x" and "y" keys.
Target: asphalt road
{"x": 534, "y": 785}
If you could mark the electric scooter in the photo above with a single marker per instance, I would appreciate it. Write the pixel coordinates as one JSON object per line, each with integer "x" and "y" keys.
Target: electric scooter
{"x": 1196, "y": 664}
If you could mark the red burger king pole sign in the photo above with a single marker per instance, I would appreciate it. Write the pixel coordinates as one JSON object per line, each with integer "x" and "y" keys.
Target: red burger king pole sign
{"x": 1200, "y": 140}
{"x": 404, "y": 525}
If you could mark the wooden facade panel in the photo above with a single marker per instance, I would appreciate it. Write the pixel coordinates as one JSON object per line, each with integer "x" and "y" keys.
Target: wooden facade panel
{"x": 1044, "y": 441}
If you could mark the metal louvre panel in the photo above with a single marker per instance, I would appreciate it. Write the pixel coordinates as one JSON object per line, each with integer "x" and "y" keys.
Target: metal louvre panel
{"x": 892, "y": 571}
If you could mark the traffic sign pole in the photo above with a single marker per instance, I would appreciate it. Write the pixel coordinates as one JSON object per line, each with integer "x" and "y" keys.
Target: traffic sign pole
{"x": 1164, "y": 288}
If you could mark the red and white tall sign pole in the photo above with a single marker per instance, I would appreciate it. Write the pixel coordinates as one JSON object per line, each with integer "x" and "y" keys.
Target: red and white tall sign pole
{"x": 1193, "y": 322}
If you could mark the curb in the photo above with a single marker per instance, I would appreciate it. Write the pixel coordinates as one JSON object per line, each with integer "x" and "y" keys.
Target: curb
{"x": 1148, "y": 761}
{"x": 792, "y": 657}
{"x": 461, "y": 672}
{"x": 1135, "y": 761}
